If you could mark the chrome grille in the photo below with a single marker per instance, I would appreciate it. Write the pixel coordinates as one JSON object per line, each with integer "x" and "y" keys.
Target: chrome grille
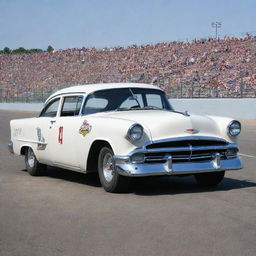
{"x": 184, "y": 157}
{"x": 186, "y": 150}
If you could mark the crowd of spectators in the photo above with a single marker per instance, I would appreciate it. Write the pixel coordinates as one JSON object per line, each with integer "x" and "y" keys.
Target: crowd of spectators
{"x": 202, "y": 68}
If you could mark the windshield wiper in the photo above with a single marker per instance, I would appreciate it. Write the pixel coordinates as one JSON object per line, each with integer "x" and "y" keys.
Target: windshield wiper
{"x": 182, "y": 113}
{"x": 134, "y": 97}
{"x": 122, "y": 109}
{"x": 127, "y": 109}
{"x": 152, "y": 108}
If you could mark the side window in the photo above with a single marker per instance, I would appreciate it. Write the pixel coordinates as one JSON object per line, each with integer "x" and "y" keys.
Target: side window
{"x": 94, "y": 105}
{"x": 71, "y": 106}
{"x": 51, "y": 108}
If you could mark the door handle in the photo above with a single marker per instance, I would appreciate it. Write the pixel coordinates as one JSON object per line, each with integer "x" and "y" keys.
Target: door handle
{"x": 52, "y": 122}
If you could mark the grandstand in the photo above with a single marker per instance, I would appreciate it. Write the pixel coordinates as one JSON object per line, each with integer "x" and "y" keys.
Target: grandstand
{"x": 206, "y": 68}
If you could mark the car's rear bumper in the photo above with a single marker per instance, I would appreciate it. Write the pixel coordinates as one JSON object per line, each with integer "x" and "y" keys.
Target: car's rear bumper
{"x": 127, "y": 168}
{"x": 10, "y": 146}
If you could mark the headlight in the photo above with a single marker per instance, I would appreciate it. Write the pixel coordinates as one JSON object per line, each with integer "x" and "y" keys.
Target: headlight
{"x": 135, "y": 132}
{"x": 234, "y": 128}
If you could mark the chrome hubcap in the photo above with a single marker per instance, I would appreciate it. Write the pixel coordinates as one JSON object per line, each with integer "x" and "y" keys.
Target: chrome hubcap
{"x": 31, "y": 158}
{"x": 108, "y": 167}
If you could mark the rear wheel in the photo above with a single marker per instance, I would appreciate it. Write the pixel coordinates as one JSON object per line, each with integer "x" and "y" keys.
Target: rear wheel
{"x": 34, "y": 168}
{"x": 109, "y": 177}
{"x": 209, "y": 179}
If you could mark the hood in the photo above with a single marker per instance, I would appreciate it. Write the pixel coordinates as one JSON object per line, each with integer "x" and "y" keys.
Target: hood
{"x": 166, "y": 124}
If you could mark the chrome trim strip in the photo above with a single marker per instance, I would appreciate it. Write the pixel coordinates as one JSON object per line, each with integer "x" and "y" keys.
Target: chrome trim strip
{"x": 64, "y": 94}
{"x": 32, "y": 141}
{"x": 121, "y": 158}
{"x": 186, "y": 138}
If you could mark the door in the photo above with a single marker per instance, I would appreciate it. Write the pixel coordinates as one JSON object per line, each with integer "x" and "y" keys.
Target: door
{"x": 46, "y": 131}
{"x": 65, "y": 133}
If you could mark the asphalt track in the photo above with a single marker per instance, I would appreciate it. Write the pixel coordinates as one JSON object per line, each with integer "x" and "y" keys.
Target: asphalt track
{"x": 66, "y": 213}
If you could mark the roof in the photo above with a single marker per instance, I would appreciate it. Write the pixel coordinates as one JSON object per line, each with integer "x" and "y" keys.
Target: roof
{"x": 88, "y": 88}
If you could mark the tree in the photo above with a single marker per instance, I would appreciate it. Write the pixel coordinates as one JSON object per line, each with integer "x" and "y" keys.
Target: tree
{"x": 7, "y": 50}
{"x": 50, "y": 48}
{"x": 34, "y": 50}
{"x": 20, "y": 50}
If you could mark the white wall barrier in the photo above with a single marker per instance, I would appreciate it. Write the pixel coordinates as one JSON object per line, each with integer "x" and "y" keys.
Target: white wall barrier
{"x": 236, "y": 108}
{"x": 21, "y": 106}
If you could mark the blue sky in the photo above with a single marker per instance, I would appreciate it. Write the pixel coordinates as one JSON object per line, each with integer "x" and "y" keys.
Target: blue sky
{"x": 100, "y": 23}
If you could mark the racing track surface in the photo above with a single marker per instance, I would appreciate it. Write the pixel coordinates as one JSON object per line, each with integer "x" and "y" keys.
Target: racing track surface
{"x": 66, "y": 213}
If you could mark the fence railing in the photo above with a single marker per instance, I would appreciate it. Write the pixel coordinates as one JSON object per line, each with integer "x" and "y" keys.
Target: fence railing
{"x": 31, "y": 96}
{"x": 173, "y": 91}
{"x": 199, "y": 91}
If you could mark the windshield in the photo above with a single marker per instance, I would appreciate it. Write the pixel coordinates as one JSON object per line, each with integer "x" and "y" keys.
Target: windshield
{"x": 125, "y": 99}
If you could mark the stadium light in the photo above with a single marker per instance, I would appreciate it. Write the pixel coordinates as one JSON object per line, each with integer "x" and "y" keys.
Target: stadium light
{"x": 216, "y": 25}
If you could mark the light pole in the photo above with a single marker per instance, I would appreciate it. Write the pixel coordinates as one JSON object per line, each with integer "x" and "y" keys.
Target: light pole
{"x": 216, "y": 25}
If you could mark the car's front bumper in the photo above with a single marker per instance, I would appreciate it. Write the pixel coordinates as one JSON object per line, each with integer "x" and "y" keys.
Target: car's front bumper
{"x": 126, "y": 168}
{"x": 186, "y": 155}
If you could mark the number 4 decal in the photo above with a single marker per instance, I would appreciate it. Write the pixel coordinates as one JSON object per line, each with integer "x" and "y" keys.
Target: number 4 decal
{"x": 60, "y": 138}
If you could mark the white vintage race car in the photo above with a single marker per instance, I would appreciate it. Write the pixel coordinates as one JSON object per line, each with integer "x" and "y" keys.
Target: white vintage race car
{"x": 125, "y": 130}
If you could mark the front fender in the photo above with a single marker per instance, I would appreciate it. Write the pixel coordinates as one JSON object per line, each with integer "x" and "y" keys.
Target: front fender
{"x": 222, "y": 123}
{"x": 114, "y": 131}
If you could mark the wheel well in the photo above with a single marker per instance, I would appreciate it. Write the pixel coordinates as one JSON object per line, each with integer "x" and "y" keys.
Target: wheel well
{"x": 23, "y": 150}
{"x": 92, "y": 161}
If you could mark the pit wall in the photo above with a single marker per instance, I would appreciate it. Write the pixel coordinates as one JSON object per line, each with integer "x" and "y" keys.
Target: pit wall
{"x": 236, "y": 108}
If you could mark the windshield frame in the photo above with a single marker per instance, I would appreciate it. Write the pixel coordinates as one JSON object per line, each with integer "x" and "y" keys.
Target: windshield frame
{"x": 164, "y": 99}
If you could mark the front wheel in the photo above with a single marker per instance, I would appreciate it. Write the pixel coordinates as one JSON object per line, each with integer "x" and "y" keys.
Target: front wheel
{"x": 209, "y": 179}
{"x": 109, "y": 177}
{"x": 34, "y": 168}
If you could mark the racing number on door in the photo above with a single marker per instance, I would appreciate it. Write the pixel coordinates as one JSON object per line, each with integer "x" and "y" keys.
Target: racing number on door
{"x": 60, "y": 138}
